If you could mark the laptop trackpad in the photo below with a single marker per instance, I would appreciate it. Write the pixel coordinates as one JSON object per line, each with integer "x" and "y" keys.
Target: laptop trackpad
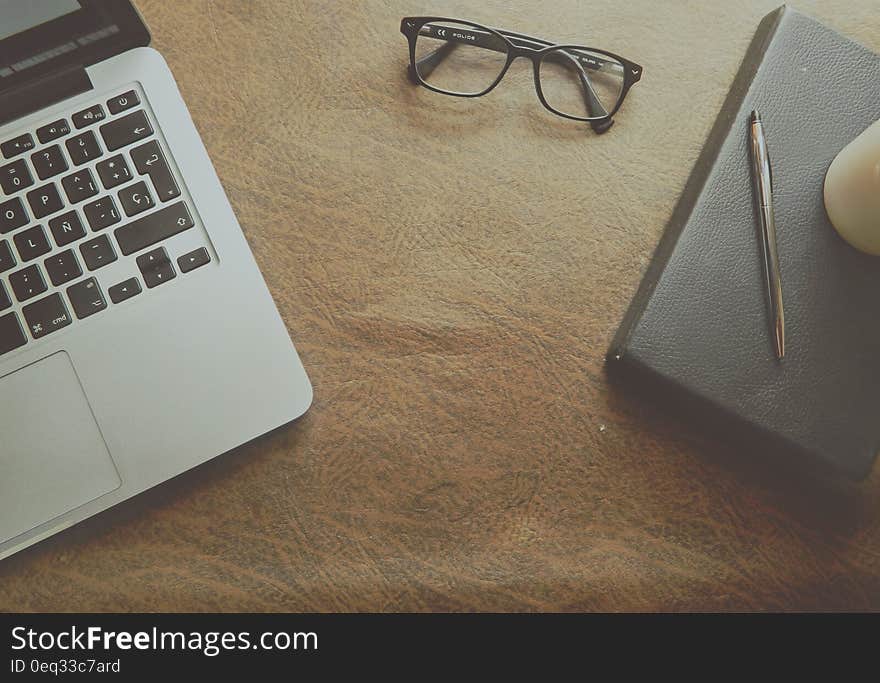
{"x": 52, "y": 455}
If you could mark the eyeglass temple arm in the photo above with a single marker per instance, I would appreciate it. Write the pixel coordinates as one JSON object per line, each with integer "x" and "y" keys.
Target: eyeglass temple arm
{"x": 429, "y": 62}
{"x": 594, "y": 106}
{"x": 596, "y": 63}
{"x": 591, "y": 99}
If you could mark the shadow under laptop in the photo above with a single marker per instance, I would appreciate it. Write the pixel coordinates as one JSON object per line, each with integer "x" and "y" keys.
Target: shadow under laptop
{"x": 183, "y": 486}
{"x": 814, "y": 496}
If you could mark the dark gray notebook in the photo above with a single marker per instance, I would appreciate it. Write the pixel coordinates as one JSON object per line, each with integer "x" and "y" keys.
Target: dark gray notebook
{"x": 698, "y": 327}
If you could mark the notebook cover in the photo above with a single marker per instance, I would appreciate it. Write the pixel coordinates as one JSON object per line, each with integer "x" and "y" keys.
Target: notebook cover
{"x": 698, "y": 329}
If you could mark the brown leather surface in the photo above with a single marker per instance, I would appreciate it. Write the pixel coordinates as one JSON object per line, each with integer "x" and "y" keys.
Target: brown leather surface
{"x": 452, "y": 272}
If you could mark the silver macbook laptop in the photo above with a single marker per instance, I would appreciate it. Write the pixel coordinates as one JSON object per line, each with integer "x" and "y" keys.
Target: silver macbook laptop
{"x": 137, "y": 337}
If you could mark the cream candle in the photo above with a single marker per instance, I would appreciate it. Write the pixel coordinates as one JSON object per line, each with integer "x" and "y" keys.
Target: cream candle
{"x": 852, "y": 191}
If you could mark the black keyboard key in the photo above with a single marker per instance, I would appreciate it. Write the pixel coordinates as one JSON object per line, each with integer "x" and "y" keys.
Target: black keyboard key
{"x": 83, "y": 148}
{"x": 149, "y": 160}
{"x": 156, "y": 267}
{"x": 15, "y": 177}
{"x": 32, "y": 243}
{"x": 49, "y": 162}
{"x": 5, "y": 299}
{"x": 152, "y": 259}
{"x": 124, "y": 131}
{"x": 27, "y": 283}
{"x": 102, "y": 213}
{"x": 53, "y": 131}
{"x": 45, "y": 200}
{"x": 153, "y": 228}
{"x": 46, "y": 316}
{"x": 11, "y": 334}
{"x": 7, "y": 258}
{"x": 12, "y": 215}
{"x": 63, "y": 267}
{"x": 124, "y": 290}
{"x": 124, "y": 101}
{"x": 136, "y": 199}
{"x": 87, "y": 117}
{"x": 79, "y": 186}
{"x": 67, "y": 228}
{"x": 159, "y": 275}
{"x": 86, "y": 298}
{"x": 98, "y": 252}
{"x": 113, "y": 171}
{"x": 20, "y": 145}
{"x": 194, "y": 259}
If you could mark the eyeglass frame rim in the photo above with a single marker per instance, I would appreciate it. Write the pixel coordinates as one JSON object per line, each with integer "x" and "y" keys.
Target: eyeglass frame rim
{"x": 410, "y": 26}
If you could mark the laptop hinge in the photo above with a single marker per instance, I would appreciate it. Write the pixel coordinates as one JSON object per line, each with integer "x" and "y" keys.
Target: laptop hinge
{"x": 43, "y": 92}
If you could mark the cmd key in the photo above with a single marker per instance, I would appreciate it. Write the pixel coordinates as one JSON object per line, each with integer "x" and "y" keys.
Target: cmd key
{"x": 153, "y": 228}
{"x": 46, "y": 316}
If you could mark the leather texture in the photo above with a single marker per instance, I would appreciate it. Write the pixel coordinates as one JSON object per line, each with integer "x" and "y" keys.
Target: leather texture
{"x": 700, "y": 321}
{"x": 452, "y": 272}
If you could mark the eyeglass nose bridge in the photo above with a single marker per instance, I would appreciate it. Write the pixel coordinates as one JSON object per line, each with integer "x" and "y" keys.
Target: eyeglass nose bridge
{"x": 517, "y": 51}
{"x": 530, "y": 53}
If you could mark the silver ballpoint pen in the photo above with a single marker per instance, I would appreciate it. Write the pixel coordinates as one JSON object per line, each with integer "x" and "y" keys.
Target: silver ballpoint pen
{"x": 762, "y": 175}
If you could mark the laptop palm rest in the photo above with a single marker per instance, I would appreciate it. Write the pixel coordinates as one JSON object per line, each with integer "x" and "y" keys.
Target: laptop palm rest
{"x": 52, "y": 455}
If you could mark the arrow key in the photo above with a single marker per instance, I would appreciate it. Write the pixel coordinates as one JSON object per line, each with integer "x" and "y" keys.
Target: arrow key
{"x": 124, "y": 290}
{"x": 194, "y": 259}
{"x": 156, "y": 267}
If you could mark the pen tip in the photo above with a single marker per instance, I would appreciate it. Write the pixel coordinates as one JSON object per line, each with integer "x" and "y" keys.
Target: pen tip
{"x": 780, "y": 340}
{"x": 755, "y": 117}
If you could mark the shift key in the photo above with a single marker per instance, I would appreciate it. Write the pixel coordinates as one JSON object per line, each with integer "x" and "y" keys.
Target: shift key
{"x": 153, "y": 228}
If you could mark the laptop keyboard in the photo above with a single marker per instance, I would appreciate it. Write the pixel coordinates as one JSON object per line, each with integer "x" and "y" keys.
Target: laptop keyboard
{"x": 76, "y": 195}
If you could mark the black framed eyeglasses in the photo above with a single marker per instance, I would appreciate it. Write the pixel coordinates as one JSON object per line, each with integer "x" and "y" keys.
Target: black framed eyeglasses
{"x": 464, "y": 59}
